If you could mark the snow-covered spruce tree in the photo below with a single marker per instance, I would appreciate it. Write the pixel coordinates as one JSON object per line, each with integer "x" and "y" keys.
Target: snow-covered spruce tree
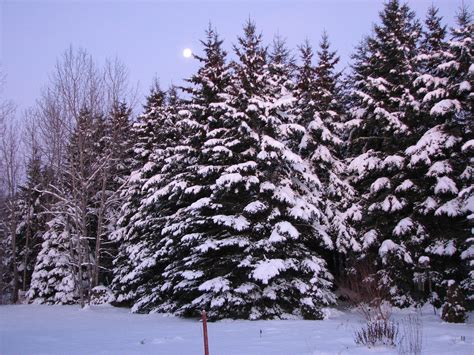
{"x": 4, "y": 252}
{"x": 167, "y": 193}
{"x": 384, "y": 116}
{"x": 319, "y": 111}
{"x": 251, "y": 256}
{"x": 5, "y": 258}
{"x": 144, "y": 130}
{"x": 119, "y": 143}
{"x": 10, "y": 284}
{"x": 54, "y": 277}
{"x": 141, "y": 218}
{"x": 31, "y": 205}
{"x": 430, "y": 87}
{"x": 281, "y": 68}
{"x": 442, "y": 160}
{"x": 184, "y": 181}
{"x": 433, "y": 45}
{"x": 454, "y": 309}
{"x": 283, "y": 72}
{"x": 429, "y": 83}
{"x": 288, "y": 218}
{"x": 460, "y": 86}
{"x": 327, "y": 87}
{"x": 126, "y": 236}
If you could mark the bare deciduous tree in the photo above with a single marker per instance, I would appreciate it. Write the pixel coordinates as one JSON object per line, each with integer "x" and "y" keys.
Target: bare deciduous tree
{"x": 9, "y": 151}
{"x": 75, "y": 83}
{"x": 7, "y": 110}
{"x": 117, "y": 85}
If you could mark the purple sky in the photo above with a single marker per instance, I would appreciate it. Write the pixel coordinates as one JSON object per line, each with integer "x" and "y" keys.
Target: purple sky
{"x": 149, "y": 36}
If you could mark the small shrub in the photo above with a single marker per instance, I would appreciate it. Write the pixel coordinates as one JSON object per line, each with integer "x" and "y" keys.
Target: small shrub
{"x": 101, "y": 295}
{"x": 454, "y": 309}
{"x": 411, "y": 340}
{"x": 364, "y": 289}
{"x": 379, "y": 332}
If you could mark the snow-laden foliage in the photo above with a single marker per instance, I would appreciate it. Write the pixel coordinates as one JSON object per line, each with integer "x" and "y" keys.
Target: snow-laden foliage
{"x": 382, "y": 127}
{"x": 139, "y": 222}
{"x": 441, "y": 160}
{"x": 319, "y": 110}
{"x": 54, "y": 279}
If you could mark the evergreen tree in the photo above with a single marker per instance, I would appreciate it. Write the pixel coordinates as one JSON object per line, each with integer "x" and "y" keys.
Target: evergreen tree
{"x": 31, "y": 205}
{"x": 201, "y": 158}
{"x": 327, "y": 93}
{"x": 236, "y": 224}
{"x": 119, "y": 145}
{"x": 166, "y": 192}
{"x": 442, "y": 161}
{"x": 141, "y": 217}
{"x": 5, "y": 258}
{"x": 279, "y": 217}
{"x": 262, "y": 215}
{"x": 320, "y": 112}
{"x": 433, "y": 51}
{"x": 10, "y": 264}
{"x": 144, "y": 130}
{"x": 384, "y": 114}
{"x": 429, "y": 87}
{"x": 281, "y": 67}
{"x": 433, "y": 42}
{"x": 54, "y": 278}
{"x": 454, "y": 310}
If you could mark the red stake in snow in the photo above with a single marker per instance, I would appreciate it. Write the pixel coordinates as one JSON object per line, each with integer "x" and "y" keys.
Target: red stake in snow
{"x": 204, "y": 329}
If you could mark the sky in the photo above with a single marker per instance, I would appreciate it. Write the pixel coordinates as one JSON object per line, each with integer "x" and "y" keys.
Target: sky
{"x": 149, "y": 36}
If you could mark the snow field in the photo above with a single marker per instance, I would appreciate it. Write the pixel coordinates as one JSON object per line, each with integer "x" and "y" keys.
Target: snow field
{"x": 39, "y": 329}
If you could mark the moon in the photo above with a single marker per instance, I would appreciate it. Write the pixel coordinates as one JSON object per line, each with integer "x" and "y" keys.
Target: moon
{"x": 187, "y": 52}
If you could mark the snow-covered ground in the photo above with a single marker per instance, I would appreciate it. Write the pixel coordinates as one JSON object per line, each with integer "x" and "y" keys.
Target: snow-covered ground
{"x": 33, "y": 329}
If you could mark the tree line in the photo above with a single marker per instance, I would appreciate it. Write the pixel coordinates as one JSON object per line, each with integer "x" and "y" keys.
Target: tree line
{"x": 271, "y": 186}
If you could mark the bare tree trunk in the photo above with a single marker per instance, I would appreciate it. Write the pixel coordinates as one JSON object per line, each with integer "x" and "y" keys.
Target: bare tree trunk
{"x": 77, "y": 205}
